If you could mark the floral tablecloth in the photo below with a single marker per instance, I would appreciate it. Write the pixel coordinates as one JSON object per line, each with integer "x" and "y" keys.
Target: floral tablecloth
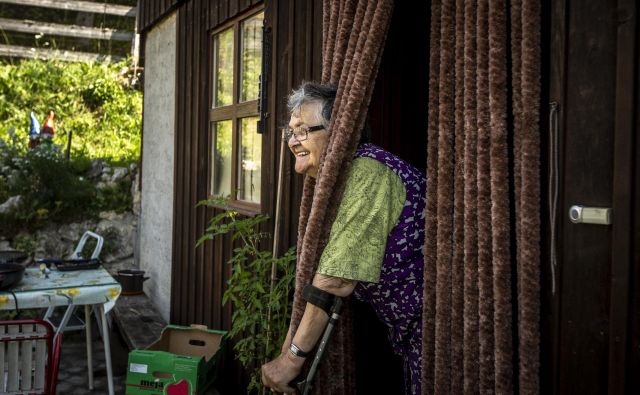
{"x": 81, "y": 287}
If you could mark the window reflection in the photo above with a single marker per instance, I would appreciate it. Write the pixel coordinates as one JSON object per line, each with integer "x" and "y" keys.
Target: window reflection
{"x": 249, "y": 161}
{"x": 221, "y": 174}
{"x": 223, "y": 68}
{"x": 251, "y": 57}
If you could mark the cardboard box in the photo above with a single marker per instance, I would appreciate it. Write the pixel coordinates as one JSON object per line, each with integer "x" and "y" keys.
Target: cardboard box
{"x": 181, "y": 362}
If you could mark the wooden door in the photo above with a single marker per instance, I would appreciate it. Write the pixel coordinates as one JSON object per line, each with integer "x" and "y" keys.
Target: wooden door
{"x": 590, "y": 319}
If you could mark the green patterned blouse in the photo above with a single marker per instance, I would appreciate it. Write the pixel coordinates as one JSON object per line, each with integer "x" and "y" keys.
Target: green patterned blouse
{"x": 371, "y": 205}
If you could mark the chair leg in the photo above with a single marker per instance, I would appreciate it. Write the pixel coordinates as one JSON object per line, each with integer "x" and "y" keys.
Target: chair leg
{"x": 65, "y": 319}
{"x": 55, "y": 364}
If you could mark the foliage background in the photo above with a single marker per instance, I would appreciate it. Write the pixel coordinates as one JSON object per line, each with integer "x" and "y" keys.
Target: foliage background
{"x": 95, "y": 101}
{"x": 99, "y": 105}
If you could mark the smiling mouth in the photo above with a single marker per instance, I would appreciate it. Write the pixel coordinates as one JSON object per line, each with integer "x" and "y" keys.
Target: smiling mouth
{"x": 302, "y": 153}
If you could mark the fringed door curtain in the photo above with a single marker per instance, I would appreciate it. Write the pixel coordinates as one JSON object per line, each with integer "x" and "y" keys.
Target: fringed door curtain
{"x": 354, "y": 32}
{"x": 483, "y": 199}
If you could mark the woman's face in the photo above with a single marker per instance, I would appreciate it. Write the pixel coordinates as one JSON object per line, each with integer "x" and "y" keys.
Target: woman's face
{"x": 308, "y": 152}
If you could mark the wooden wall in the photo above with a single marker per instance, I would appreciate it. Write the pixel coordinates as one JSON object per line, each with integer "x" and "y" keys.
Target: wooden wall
{"x": 199, "y": 274}
{"x": 151, "y": 11}
{"x": 590, "y": 338}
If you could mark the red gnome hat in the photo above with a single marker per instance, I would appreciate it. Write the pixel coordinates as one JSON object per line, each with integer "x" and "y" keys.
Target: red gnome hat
{"x": 48, "y": 128}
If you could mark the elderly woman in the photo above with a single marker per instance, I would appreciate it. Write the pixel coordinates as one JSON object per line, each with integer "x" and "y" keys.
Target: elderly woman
{"x": 375, "y": 246}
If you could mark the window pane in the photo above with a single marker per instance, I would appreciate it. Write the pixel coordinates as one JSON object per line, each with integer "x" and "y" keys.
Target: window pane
{"x": 221, "y": 174}
{"x": 223, "y": 68}
{"x": 249, "y": 164}
{"x": 251, "y": 57}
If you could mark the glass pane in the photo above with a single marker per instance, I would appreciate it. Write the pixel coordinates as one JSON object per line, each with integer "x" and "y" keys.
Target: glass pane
{"x": 221, "y": 172}
{"x": 249, "y": 164}
{"x": 251, "y": 57}
{"x": 223, "y": 68}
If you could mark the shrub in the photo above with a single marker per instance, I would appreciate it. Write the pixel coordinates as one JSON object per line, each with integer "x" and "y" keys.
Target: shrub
{"x": 51, "y": 188}
{"x": 97, "y": 106}
{"x": 94, "y": 101}
{"x": 27, "y": 243}
{"x": 249, "y": 289}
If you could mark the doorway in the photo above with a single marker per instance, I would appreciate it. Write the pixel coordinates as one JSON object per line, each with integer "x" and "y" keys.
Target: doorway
{"x": 398, "y": 121}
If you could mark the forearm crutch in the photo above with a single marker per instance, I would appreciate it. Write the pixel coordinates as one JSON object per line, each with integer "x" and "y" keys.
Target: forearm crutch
{"x": 304, "y": 387}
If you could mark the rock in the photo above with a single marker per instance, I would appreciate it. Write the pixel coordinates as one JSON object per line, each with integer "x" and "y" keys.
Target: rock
{"x": 105, "y": 185}
{"x": 136, "y": 195}
{"x": 108, "y": 215}
{"x": 96, "y": 167}
{"x": 50, "y": 246}
{"x": 123, "y": 264}
{"x": 119, "y": 173}
{"x": 118, "y": 231}
{"x": 106, "y": 173}
{"x": 11, "y": 204}
{"x": 71, "y": 233}
{"x": 59, "y": 241}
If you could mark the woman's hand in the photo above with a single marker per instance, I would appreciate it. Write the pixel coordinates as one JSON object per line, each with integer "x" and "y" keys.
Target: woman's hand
{"x": 278, "y": 373}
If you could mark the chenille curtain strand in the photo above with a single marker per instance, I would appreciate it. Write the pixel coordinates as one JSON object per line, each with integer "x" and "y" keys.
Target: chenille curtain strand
{"x": 529, "y": 199}
{"x": 354, "y": 32}
{"x": 472, "y": 342}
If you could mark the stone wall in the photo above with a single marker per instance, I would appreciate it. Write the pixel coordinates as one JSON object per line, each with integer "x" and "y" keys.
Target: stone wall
{"x": 119, "y": 230}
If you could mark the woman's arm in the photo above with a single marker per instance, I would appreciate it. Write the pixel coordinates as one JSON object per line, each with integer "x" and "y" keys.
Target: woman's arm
{"x": 279, "y": 372}
{"x": 315, "y": 319}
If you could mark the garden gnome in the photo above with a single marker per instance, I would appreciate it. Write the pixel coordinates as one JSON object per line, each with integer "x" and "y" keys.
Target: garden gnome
{"x": 47, "y": 131}
{"x": 34, "y": 132}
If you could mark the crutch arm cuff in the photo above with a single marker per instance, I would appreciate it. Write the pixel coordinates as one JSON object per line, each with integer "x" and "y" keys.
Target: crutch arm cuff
{"x": 318, "y": 297}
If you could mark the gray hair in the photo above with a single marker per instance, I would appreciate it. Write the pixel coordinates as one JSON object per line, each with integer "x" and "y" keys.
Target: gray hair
{"x": 310, "y": 92}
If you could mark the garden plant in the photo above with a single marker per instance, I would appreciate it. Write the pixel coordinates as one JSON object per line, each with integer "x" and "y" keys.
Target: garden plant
{"x": 249, "y": 288}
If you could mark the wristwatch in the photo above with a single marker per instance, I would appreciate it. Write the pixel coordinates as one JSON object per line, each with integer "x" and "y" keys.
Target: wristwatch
{"x": 297, "y": 351}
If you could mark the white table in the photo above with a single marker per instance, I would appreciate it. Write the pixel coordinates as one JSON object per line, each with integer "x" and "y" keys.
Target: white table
{"x": 89, "y": 288}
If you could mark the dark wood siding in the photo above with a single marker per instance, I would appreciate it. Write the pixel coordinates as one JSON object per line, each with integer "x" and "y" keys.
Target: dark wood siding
{"x": 590, "y": 324}
{"x": 151, "y": 11}
{"x": 215, "y": 11}
{"x": 199, "y": 275}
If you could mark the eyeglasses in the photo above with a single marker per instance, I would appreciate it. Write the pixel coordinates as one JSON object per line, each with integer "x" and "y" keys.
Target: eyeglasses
{"x": 301, "y": 133}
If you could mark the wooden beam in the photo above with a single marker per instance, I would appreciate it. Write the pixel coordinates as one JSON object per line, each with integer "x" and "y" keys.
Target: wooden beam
{"x": 70, "y": 56}
{"x": 26, "y": 26}
{"x": 83, "y": 6}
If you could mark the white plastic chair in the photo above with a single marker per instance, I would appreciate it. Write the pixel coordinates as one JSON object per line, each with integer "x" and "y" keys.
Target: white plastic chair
{"x": 77, "y": 254}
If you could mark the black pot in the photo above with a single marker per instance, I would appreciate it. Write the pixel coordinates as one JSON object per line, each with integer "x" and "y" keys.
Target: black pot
{"x": 131, "y": 281}
{"x": 10, "y": 274}
{"x": 12, "y": 256}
